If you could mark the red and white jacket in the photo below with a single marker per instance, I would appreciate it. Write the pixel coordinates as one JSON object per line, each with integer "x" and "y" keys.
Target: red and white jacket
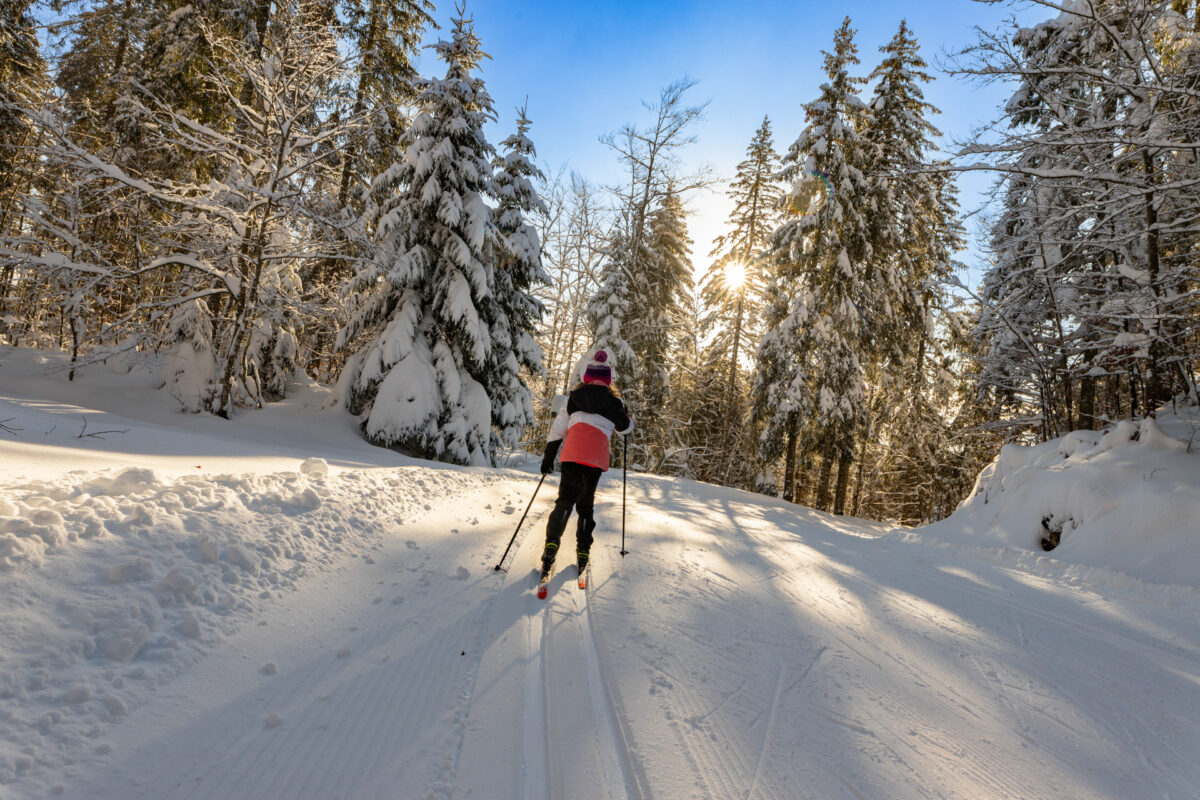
{"x": 591, "y": 415}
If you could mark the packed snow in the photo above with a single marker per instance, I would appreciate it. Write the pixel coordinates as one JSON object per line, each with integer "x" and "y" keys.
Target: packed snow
{"x": 269, "y": 607}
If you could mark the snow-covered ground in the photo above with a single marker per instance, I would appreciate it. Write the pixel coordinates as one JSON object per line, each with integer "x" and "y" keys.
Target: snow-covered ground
{"x": 271, "y": 608}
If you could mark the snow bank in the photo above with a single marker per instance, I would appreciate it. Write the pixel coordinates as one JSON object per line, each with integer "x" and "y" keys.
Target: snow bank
{"x": 111, "y": 582}
{"x": 1126, "y": 499}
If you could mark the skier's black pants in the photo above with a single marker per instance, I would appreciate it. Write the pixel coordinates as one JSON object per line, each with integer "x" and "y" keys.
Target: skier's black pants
{"x": 577, "y": 488}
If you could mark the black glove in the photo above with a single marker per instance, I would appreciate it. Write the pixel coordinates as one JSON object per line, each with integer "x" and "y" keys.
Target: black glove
{"x": 548, "y": 457}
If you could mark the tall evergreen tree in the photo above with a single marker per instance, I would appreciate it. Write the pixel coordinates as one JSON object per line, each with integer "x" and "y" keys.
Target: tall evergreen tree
{"x": 916, "y": 233}
{"x": 23, "y": 84}
{"x": 518, "y": 273}
{"x": 386, "y": 34}
{"x": 911, "y": 245}
{"x": 420, "y": 381}
{"x": 826, "y": 274}
{"x": 661, "y": 296}
{"x": 733, "y": 286}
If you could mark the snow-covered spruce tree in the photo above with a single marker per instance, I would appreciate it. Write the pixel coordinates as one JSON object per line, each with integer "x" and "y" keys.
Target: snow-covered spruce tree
{"x": 190, "y": 365}
{"x": 916, "y": 232}
{"x": 610, "y": 307}
{"x": 826, "y": 275}
{"x": 422, "y": 332}
{"x": 912, "y": 245}
{"x": 781, "y": 395}
{"x": 661, "y": 296}
{"x": 732, "y": 288}
{"x": 514, "y": 312}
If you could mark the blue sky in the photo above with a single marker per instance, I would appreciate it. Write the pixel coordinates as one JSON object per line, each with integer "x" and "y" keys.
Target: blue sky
{"x": 586, "y": 67}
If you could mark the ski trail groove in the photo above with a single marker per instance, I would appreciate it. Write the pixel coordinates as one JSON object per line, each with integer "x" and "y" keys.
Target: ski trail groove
{"x": 613, "y": 756}
{"x": 535, "y": 760}
{"x": 762, "y": 753}
{"x": 583, "y": 744}
{"x": 636, "y": 784}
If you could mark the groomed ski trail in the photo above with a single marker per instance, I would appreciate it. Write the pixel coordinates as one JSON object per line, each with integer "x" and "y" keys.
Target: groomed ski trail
{"x": 573, "y": 741}
{"x": 746, "y": 648}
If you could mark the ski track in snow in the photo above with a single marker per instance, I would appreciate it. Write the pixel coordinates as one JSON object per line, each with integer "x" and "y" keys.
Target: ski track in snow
{"x": 571, "y": 744}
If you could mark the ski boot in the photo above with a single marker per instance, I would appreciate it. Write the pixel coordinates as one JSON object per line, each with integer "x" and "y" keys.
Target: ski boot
{"x": 548, "y": 555}
{"x": 581, "y": 563}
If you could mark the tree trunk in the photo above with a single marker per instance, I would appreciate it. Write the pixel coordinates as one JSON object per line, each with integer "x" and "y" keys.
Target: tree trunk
{"x": 843, "y": 480}
{"x": 1158, "y": 384}
{"x": 858, "y": 477}
{"x": 800, "y": 480}
{"x": 789, "y": 466}
{"x": 350, "y": 157}
{"x": 827, "y": 459}
{"x": 1087, "y": 402}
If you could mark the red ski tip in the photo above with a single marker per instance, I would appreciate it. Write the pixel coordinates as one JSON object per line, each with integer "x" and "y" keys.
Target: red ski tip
{"x": 542, "y": 592}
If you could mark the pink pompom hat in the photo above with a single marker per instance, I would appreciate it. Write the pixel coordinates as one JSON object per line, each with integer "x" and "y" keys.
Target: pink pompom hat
{"x": 598, "y": 370}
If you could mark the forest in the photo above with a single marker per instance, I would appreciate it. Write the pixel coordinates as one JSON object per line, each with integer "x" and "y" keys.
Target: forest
{"x": 248, "y": 193}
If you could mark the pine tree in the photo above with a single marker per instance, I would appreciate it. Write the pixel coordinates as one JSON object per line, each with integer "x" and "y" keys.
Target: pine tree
{"x": 826, "y": 276}
{"x": 916, "y": 233}
{"x": 609, "y": 308}
{"x": 910, "y": 245}
{"x": 190, "y": 366}
{"x": 23, "y": 84}
{"x": 518, "y": 272}
{"x": 386, "y": 34}
{"x": 733, "y": 286}
{"x": 660, "y": 298}
{"x": 420, "y": 381}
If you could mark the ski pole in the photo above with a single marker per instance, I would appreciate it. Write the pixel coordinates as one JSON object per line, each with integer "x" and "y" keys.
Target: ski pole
{"x": 624, "y": 481}
{"x": 519, "y": 524}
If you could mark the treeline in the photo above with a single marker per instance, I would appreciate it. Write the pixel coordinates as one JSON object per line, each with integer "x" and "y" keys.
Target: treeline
{"x": 817, "y": 358}
{"x": 1089, "y": 312}
{"x": 254, "y": 190}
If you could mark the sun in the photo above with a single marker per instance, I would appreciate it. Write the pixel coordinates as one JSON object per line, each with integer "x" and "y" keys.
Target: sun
{"x": 735, "y": 274}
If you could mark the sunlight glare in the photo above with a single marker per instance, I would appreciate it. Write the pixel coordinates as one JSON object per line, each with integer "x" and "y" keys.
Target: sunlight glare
{"x": 735, "y": 274}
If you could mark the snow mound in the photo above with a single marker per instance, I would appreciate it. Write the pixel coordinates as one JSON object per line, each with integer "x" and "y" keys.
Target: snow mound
{"x": 1126, "y": 499}
{"x": 112, "y": 582}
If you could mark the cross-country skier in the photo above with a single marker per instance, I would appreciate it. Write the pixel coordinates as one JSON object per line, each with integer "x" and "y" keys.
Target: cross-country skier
{"x": 582, "y": 429}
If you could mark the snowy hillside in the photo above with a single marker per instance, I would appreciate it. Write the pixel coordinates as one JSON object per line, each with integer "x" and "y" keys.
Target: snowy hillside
{"x": 271, "y": 608}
